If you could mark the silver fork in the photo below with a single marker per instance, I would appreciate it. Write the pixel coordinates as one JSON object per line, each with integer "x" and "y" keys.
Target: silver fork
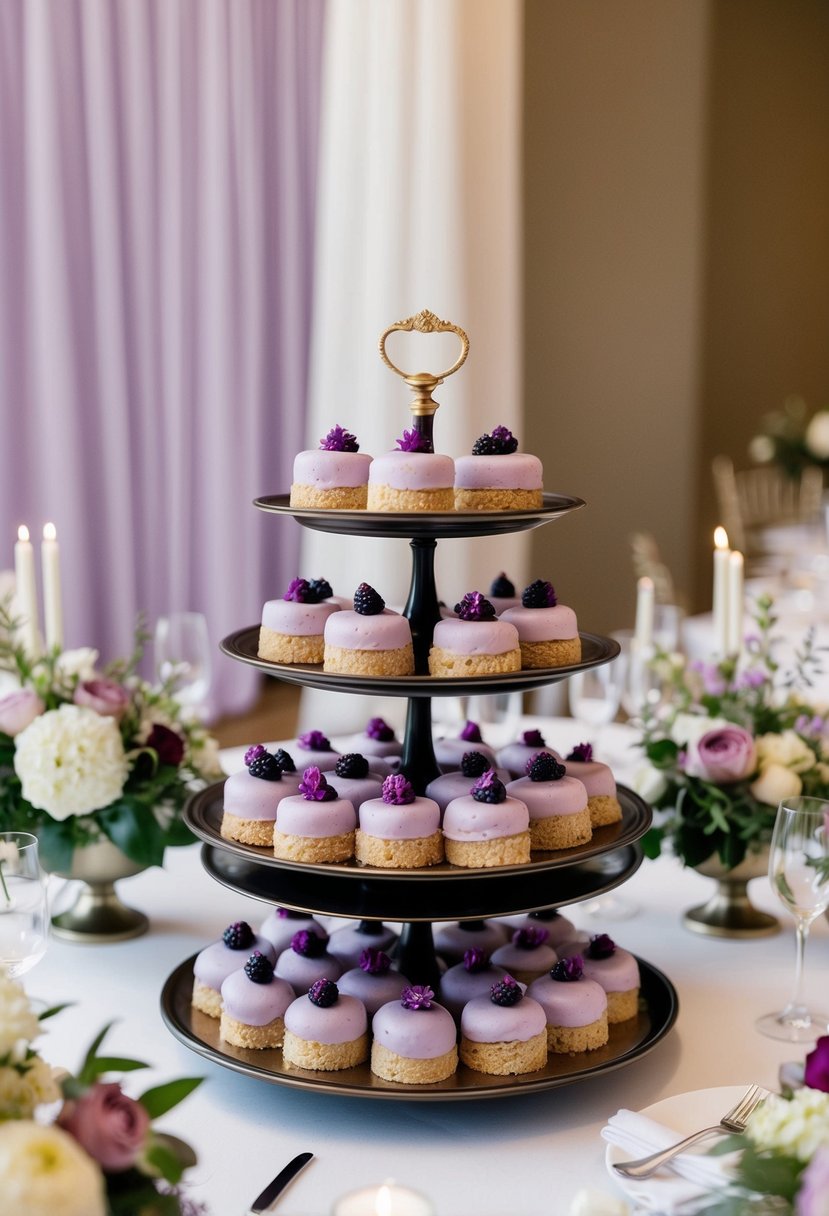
{"x": 734, "y": 1121}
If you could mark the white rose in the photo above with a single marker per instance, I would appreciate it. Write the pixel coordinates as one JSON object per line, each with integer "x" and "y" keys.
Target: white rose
{"x": 44, "y": 1172}
{"x": 785, "y": 748}
{"x": 817, "y": 435}
{"x": 71, "y": 761}
{"x": 80, "y": 663}
{"x": 648, "y": 782}
{"x": 775, "y": 784}
{"x": 589, "y": 1202}
{"x": 18, "y": 1023}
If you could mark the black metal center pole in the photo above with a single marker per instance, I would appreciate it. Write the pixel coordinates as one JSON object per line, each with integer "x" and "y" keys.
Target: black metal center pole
{"x": 418, "y": 762}
{"x": 414, "y": 952}
{"x": 422, "y": 610}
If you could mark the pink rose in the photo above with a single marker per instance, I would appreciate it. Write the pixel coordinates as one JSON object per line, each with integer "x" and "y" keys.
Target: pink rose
{"x": 816, "y": 1070}
{"x": 107, "y": 698}
{"x": 106, "y": 1123}
{"x": 18, "y": 710}
{"x": 722, "y": 756}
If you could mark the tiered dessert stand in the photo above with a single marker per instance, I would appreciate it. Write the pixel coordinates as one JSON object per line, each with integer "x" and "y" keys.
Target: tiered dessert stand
{"x": 417, "y": 898}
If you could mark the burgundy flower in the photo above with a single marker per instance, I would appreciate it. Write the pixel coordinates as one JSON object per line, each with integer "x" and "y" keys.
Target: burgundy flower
{"x": 299, "y": 592}
{"x": 339, "y": 440}
{"x": 314, "y": 741}
{"x": 582, "y": 752}
{"x": 254, "y": 752}
{"x": 106, "y": 697}
{"x": 397, "y": 791}
{"x": 108, "y": 1125}
{"x": 475, "y": 959}
{"x": 471, "y": 733}
{"x": 568, "y": 970}
{"x": 530, "y": 936}
{"x": 601, "y": 946}
{"x": 533, "y": 738}
{"x": 374, "y": 961}
{"x": 167, "y": 744}
{"x": 816, "y": 1070}
{"x": 380, "y": 730}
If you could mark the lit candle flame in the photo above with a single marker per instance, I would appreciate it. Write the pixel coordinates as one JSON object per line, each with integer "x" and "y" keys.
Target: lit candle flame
{"x": 720, "y": 538}
{"x": 22, "y": 532}
{"x": 50, "y": 532}
{"x": 382, "y": 1206}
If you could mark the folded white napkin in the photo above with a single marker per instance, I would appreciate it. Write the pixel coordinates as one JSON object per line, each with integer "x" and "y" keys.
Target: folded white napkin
{"x": 690, "y": 1175}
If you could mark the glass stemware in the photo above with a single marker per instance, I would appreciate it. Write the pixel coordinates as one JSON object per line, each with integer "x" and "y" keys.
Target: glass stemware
{"x": 799, "y": 875}
{"x": 24, "y": 912}
{"x": 594, "y": 695}
{"x": 182, "y": 657}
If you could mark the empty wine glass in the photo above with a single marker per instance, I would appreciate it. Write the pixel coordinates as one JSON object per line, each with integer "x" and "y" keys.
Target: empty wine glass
{"x": 182, "y": 657}
{"x": 24, "y": 913}
{"x": 595, "y": 694}
{"x": 799, "y": 875}
{"x": 642, "y": 685}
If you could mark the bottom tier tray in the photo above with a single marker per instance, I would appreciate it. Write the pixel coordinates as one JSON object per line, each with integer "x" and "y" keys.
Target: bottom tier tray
{"x": 658, "y": 1007}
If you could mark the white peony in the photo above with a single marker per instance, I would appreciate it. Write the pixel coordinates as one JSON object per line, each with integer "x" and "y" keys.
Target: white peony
{"x": 797, "y": 1127}
{"x": 71, "y": 761}
{"x": 786, "y": 748}
{"x": 44, "y": 1172}
{"x": 817, "y": 435}
{"x": 775, "y": 784}
{"x": 18, "y": 1023}
{"x": 80, "y": 663}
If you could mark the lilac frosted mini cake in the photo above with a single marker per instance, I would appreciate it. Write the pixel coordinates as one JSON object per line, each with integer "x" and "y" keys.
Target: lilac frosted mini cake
{"x": 314, "y": 747}
{"x": 466, "y": 980}
{"x": 380, "y": 742}
{"x": 450, "y": 752}
{"x": 559, "y": 928}
{"x": 315, "y": 825}
{"x": 598, "y": 780}
{"x": 486, "y": 827}
{"x": 414, "y": 478}
{"x": 370, "y": 641}
{"x": 353, "y": 779}
{"x": 325, "y": 1029}
{"x": 414, "y": 1039}
{"x": 615, "y": 970}
{"x": 333, "y": 476}
{"x": 504, "y": 1032}
{"x": 348, "y": 943}
{"x": 502, "y": 594}
{"x": 454, "y": 938}
{"x": 497, "y": 477}
{"x": 373, "y": 981}
{"x": 454, "y": 784}
{"x": 399, "y": 830}
{"x": 254, "y": 1001}
{"x": 548, "y": 631}
{"x": 516, "y": 756}
{"x": 527, "y": 954}
{"x": 292, "y": 627}
{"x": 559, "y": 817}
{"x": 250, "y": 797}
{"x": 306, "y": 960}
{"x": 475, "y": 642}
{"x": 280, "y": 925}
{"x": 214, "y": 964}
{"x": 576, "y": 1008}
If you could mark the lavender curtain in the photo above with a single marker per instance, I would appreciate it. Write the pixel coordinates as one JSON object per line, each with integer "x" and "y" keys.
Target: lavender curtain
{"x": 157, "y": 178}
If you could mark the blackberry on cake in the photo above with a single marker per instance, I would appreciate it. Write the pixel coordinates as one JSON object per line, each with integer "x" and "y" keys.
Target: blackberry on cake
{"x": 215, "y": 962}
{"x": 497, "y": 477}
{"x": 486, "y": 827}
{"x": 254, "y": 1001}
{"x": 370, "y": 640}
{"x": 548, "y": 631}
{"x": 559, "y": 814}
{"x": 504, "y": 1033}
{"x": 307, "y": 960}
{"x": 325, "y": 1030}
{"x": 251, "y": 797}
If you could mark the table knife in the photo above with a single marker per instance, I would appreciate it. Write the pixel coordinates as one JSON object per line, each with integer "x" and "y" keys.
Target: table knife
{"x": 262, "y": 1202}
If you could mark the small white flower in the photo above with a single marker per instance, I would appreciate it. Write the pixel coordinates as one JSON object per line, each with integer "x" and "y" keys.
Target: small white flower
{"x": 817, "y": 435}
{"x": 80, "y": 663}
{"x": 44, "y": 1172}
{"x": 71, "y": 761}
{"x": 18, "y": 1024}
{"x": 796, "y": 1127}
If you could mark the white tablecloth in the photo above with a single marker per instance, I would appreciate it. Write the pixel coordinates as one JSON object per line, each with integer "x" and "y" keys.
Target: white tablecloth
{"x": 526, "y": 1155}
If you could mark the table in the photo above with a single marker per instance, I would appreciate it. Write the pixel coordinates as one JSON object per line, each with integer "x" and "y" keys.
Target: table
{"x": 525, "y": 1154}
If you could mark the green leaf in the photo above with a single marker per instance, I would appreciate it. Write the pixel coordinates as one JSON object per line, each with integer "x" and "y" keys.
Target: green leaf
{"x": 651, "y": 843}
{"x": 50, "y": 1013}
{"x": 161, "y": 1160}
{"x": 161, "y": 1098}
{"x": 662, "y": 752}
{"x": 135, "y": 831}
{"x": 87, "y": 1072}
{"x": 770, "y": 1173}
{"x": 56, "y": 844}
{"x": 103, "y": 1064}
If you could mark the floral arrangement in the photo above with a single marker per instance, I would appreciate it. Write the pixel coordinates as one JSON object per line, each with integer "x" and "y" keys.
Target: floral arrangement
{"x": 80, "y": 1146}
{"x": 793, "y": 437}
{"x": 86, "y": 754}
{"x": 735, "y": 739}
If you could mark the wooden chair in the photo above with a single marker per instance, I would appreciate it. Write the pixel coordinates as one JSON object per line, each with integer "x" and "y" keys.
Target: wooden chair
{"x": 754, "y": 499}
{"x": 648, "y": 561}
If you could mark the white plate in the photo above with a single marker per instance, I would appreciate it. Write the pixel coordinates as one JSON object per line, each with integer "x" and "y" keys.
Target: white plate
{"x": 685, "y": 1113}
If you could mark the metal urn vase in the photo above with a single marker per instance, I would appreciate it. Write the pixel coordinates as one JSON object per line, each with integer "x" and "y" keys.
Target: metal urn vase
{"x": 729, "y": 912}
{"x": 97, "y": 914}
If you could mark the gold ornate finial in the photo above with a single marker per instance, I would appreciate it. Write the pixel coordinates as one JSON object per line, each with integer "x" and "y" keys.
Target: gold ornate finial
{"x": 423, "y": 384}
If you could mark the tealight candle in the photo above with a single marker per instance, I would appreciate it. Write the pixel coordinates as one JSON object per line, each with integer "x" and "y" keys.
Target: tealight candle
{"x": 52, "y": 603}
{"x": 26, "y": 592}
{"x": 386, "y": 1200}
{"x": 720, "y": 606}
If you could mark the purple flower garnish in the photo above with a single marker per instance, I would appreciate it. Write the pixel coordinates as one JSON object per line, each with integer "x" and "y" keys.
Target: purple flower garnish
{"x": 379, "y": 729}
{"x": 533, "y": 738}
{"x": 289, "y": 914}
{"x": 601, "y": 946}
{"x": 314, "y": 741}
{"x": 506, "y": 991}
{"x": 253, "y": 753}
{"x": 582, "y": 752}
{"x": 489, "y": 788}
{"x": 567, "y": 970}
{"x": 314, "y": 787}
{"x": 475, "y": 607}
{"x": 471, "y": 733}
{"x": 308, "y": 944}
{"x": 397, "y": 791}
{"x": 816, "y": 1068}
{"x": 505, "y": 439}
{"x": 339, "y": 440}
{"x": 530, "y": 937}
{"x": 417, "y": 996}
{"x": 413, "y": 441}
{"x": 323, "y": 993}
{"x": 374, "y": 961}
{"x": 475, "y": 959}
{"x": 300, "y": 592}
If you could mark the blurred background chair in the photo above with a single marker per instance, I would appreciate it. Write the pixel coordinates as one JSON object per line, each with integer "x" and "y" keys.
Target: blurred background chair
{"x": 754, "y": 500}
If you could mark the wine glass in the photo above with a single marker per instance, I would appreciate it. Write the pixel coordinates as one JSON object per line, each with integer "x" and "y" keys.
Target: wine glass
{"x": 799, "y": 875}
{"x": 182, "y": 657}
{"x": 642, "y": 688}
{"x": 595, "y": 694}
{"x": 24, "y": 912}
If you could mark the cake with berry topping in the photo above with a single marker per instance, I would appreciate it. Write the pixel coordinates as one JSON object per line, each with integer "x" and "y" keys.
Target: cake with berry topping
{"x": 615, "y": 970}
{"x": 575, "y": 1007}
{"x": 450, "y": 752}
{"x": 504, "y": 1032}
{"x": 307, "y": 960}
{"x": 399, "y": 830}
{"x": 547, "y": 630}
{"x": 497, "y": 477}
{"x": 472, "y": 977}
{"x": 373, "y": 981}
{"x": 559, "y": 816}
{"x": 280, "y": 925}
{"x": 381, "y": 743}
{"x": 597, "y": 778}
{"x": 475, "y": 642}
{"x": 314, "y": 747}
{"x": 354, "y": 780}
{"x": 453, "y": 785}
{"x": 254, "y": 1001}
{"x": 333, "y": 476}
{"x": 215, "y": 962}
{"x": 527, "y": 955}
{"x": 315, "y": 825}
{"x": 502, "y": 594}
{"x": 559, "y": 928}
{"x": 326, "y": 1029}
{"x": 292, "y": 627}
{"x": 414, "y": 1039}
{"x": 371, "y": 640}
{"x": 413, "y": 478}
{"x": 453, "y": 938}
{"x": 486, "y": 827}
{"x": 251, "y": 797}
{"x": 516, "y": 756}
{"x": 349, "y": 943}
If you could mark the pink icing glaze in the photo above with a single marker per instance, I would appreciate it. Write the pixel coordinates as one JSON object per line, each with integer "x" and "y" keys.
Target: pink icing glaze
{"x": 453, "y": 785}
{"x": 214, "y": 964}
{"x": 279, "y": 930}
{"x": 377, "y": 747}
{"x": 297, "y": 620}
{"x": 348, "y": 943}
{"x": 577, "y": 1003}
{"x": 386, "y": 631}
{"x": 475, "y": 637}
{"x": 304, "y": 757}
{"x": 513, "y": 958}
{"x": 543, "y": 624}
{"x": 356, "y": 789}
{"x": 420, "y": 818}
{"x": 331, "y": 470}
{"x": 457, "y": 986}
{"x": 450, "y": 752}
{"x": 559, "y": 928}
{"x": 373, "y": 990}
{"x": 255, "y": 1004}
{"x": 298, "y": 816}
{"x": 596, "y": 778}
{"x": 619, "y": 972}
{"x": 482, "y": 1021}
{"x": 252, "y": 797}
{"x": 453, "y": 939}
{"x": 416, "y": 1034}
{"x": 302, "y": 972}
{"x": 342, "y": 1022}
{"x": 516, "y": 471}
{"x": 466, "y": 819}
{"x": 567, "y": 796}
{"x": 413, "y": 471}
{"x": 502, "y": 602}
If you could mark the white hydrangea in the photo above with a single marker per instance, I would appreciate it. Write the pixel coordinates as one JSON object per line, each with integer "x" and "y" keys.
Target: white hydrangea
{"x": 26, "y": 1087}
{"x": 71, "y": 761}
{"x": 18, "y": 1023}
{"x": 44, "y": 1172}
{"x": 785, "y": 748}
{"x": 796, "y": 1127}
